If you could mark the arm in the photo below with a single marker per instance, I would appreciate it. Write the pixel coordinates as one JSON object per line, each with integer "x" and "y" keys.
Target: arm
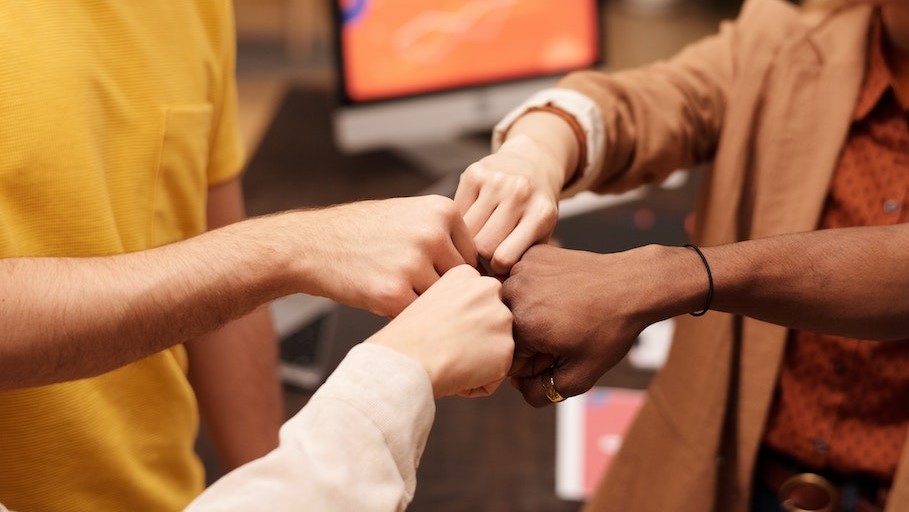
{"x": 234, "y": 370}
{"x": 357, "y": 443}
{"x": 583, "y": 310}
{"x": 68, "y": 318}
{"x": 847, "y": 282}
{"x": 638, "y": 127}
{"x": 661, "y": 117}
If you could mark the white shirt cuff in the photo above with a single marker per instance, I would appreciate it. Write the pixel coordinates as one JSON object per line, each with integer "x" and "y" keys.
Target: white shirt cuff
{"x": 586, "y": 113}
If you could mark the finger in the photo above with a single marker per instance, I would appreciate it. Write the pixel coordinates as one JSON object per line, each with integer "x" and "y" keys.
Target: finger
{"x": 525, "y": 235}
{"x": 462, "y": 272}
{"x": 474, "y": 393}
{"x": 466, "y": 195}
{"x": 531, "y": 366}
{"x": 463, "y": 242}
{"x": 532, "y": 389}
{"x": 426, "y": 276}
{"x": 568, "y": 380}
{"x": 479, "y": 212}
{"x": 481, "y": 391}
{"x": 447, "y": 258}
{"x": 521, "y": 356}
{"x": 492, "y": 387}
{"x": 499, "y": 225}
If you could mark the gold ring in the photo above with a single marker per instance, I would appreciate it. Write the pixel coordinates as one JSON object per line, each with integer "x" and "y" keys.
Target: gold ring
{"x": 549, "y": 387}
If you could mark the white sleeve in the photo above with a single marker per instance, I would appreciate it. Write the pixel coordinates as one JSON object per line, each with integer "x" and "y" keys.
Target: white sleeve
{"x": 355, "y": 446}
{"x": 584, "y": 110}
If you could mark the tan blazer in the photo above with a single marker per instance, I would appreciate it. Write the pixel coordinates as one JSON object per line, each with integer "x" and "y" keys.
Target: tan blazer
{"x": 769, "y": 100}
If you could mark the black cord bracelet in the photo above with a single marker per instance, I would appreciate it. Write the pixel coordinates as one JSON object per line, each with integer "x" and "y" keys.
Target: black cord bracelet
{"x": 709, "y": 281}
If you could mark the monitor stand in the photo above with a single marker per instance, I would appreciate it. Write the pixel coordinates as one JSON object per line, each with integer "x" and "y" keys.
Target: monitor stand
{"x": 441, "y": 159}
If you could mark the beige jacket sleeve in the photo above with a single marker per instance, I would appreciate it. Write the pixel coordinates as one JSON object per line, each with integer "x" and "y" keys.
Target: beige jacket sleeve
{"x": 355, "y": 446}
{"x": 661, "y": 117}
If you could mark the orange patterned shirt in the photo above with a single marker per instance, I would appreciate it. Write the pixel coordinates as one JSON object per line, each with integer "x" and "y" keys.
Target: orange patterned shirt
{"x": 843, "y": 404}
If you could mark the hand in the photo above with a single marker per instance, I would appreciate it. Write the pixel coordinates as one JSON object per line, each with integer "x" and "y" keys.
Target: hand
{"x": 459, "y": 331}
{"x": 380, "y": 255}
{"x": 510, "y": 200}
{"x": 581, "y": 312}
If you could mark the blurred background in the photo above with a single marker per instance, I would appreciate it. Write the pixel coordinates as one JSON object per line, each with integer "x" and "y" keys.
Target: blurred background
{"x": 352, "y": 99}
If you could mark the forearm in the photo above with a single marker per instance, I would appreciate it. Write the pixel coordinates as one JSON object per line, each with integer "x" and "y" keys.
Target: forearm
{"x": 660, "y": 117}
{"x": 234, "y": 373}
{"x": 355, "y": 446}
{"x": 234, "y": 370}
{"x": 849, "y": 282}
{"x": 67, "y": 318}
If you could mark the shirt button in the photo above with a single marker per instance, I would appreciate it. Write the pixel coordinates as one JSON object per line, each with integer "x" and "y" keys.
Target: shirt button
{"x": 891, "y": 206}
{"x": 819, "y": 445}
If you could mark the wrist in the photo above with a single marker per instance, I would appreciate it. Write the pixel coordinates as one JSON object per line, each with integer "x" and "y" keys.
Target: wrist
{"x": 422, "y": 358}
{"x": 555, "y": 139}
{"x": 677, "y": 284}
{"x": 289, "y": 258}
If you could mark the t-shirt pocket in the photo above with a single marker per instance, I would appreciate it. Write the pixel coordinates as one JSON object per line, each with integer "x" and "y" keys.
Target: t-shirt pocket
{"x": 181, "y": 184}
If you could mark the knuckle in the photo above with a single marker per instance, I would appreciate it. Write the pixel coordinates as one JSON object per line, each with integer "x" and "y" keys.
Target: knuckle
{"x": 498, "y": 180}
{"x": 389, "y": 306}
{"x": 433, "y": 237}
{"x": 439, "y": 203}
{"x": 503, "y": 261}
{"x": 506, "y": 314}
{"x": 521, "y": 187}
{"x": 505, "y": 319}
{"x": 509, "y": 290}
{"x": 443, "y": 202}
{"x": 489, "y": 283}
{"x": 392, "y": 291}
{"x": 473, "y": 172}
{"x": 463, "y": 270}
{"x": 428, "y": 235}
{"x": 485, "y": 247}
{"x": 548, "y": 213}
{"x": 449, "y": 211}
{"x": 573, "y": 385}
{"x": 504, "y": 362}
{"x": 409, "y": 273}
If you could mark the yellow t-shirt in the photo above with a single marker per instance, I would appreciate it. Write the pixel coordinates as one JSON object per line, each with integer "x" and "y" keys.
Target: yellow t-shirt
{"x": 115, "y": 117}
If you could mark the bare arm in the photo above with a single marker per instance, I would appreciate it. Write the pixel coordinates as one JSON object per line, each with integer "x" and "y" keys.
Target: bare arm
{"x": 849, "y": 282}
{"x": 67, "y": 318}
{"x": 234, "y": 370}
{"x": 584, "y": 310}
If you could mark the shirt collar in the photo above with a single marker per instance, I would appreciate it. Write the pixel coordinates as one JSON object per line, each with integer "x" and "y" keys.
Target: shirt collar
{"x": 878, "y": 79}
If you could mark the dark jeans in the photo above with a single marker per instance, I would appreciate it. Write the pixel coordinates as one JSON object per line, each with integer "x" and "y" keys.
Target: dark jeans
{"x": 764, "y": 499}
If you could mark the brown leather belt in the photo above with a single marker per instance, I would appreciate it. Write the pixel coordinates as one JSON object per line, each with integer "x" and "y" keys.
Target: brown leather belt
{"x": 800, "y": 491}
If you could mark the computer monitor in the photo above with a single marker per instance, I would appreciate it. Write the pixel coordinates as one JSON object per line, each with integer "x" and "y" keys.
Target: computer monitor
{"x": 414, "y": 72}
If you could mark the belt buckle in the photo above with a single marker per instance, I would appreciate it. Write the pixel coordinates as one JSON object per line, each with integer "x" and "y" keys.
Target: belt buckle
{"x": 808, "y": 480}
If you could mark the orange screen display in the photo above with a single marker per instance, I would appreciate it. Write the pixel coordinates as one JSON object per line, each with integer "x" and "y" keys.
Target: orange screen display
{"x": 396, "y": 48}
